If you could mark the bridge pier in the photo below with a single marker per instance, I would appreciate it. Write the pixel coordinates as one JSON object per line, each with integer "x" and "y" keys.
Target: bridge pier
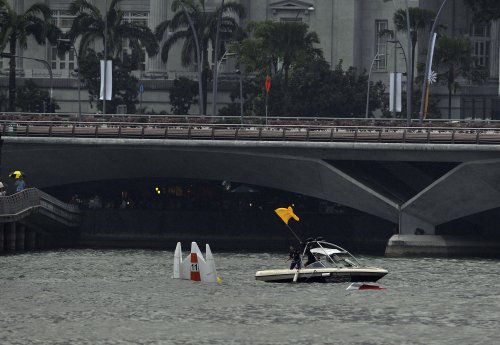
{"x": 1, "y": 237}
{"x": 438, "y": 245}
{"x": 30, "y": 240}
{"x": 10, "y": 237}
{"x": 411, "y": 225}
{"x": 39, "y": 241}
{"x": 20, "y": 236}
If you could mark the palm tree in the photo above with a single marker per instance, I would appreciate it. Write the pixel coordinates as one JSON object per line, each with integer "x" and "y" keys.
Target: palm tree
{"x": 89, "y": 24}
{"x": 420, "y": 20}
{"x": 285, "y": 43}
{"x": 453, "y": 59}
{"x": 192, "y": 23}
{"x": 16, "y": 28}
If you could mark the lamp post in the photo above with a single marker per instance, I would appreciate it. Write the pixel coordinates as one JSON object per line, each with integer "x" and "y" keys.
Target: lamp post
{"x": 45, "y": 62}
{"x": 368, "y": 88}
{"x": 396, "y": 43}
{"x": 430, "y": 53}
{"x": 216, "y": 78}
{"x": 310, "y": 8}
{"x": 105, "y": 39}
{"x": 66, "y": 40}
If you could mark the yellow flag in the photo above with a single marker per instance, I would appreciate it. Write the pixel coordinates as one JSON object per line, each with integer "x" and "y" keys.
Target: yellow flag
{"x": 286, "y": 213}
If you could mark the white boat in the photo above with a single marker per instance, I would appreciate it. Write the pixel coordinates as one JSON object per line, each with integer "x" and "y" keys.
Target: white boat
{"x": 333, "y": 265}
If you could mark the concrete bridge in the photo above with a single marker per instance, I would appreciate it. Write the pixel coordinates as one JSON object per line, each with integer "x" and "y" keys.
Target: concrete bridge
{"x": 417, "y": 178}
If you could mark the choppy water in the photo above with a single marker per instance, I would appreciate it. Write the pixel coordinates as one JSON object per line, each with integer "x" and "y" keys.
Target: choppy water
{"x": 128, "y": 297}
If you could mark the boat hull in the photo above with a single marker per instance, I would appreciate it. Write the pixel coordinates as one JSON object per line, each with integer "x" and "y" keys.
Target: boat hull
{"x": 322, "y": 275}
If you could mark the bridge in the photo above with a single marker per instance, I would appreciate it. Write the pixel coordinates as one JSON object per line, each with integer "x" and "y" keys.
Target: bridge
{"x": 30, "y": 217}
{"x": 415, "y": 177}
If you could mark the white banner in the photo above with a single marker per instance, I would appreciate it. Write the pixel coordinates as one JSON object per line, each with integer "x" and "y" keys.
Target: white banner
{"x": 395, "y": 86}
{"x": 108, "y": 78}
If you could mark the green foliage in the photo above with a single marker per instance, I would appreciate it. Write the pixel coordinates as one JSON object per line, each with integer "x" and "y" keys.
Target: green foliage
{"x": 453, "y": 59}
{"x": 272, "y": 43}
{"x": 205, "y": 25}
{"x": 314, "y": 91}
{"x": 125, "y": 86}
{"x": 89, "y": 25}
{"x": 32, "y": 99}
{"x": 182, "y": 95}
{"x": 16, "y": 28}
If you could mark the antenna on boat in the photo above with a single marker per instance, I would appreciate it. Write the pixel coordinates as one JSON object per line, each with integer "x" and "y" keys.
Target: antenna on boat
{"x": 285, "y": 214}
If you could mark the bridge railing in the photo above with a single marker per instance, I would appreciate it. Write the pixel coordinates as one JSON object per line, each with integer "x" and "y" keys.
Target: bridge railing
{"x": 19, "y": 205}
{"x": 210, "y": 131}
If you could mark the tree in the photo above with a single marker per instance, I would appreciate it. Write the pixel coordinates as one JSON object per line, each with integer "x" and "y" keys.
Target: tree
{"x": 420, "y": 20}
{"x": 124, "y": 84}
{"x": 16, "y": 28}
{"x": 314, "y": 90}
{"x": 89, "y": 25}
{"x": 32, "y": 99}
{"x": 182, "y": 95}
{"x": 485, "y": 10}
{"x": 205, "y": 27}
{"x": 453, "y": 59}
{"x": 278, "y": 42}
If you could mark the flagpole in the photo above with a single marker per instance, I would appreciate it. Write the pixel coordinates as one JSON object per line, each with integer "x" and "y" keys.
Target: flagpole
{"x": 294, "y": 234}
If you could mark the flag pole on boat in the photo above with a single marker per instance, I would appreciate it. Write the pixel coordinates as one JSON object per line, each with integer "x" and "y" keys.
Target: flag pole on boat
{"x": 285, "y": 214}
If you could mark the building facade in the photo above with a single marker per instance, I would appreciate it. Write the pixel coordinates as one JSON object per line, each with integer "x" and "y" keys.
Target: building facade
{"x": 349, "y": 31}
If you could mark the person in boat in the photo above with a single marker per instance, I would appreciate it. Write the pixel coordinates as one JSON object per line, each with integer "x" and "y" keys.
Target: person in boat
{"x": 310, "y": 257}
{"x": 295, "y": 257}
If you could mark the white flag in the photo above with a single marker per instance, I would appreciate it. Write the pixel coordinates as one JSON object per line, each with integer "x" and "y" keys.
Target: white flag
{"x": 108, "y": 79}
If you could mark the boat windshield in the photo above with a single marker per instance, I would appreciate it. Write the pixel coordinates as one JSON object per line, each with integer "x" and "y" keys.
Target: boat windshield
{"x": 330, "y": 255}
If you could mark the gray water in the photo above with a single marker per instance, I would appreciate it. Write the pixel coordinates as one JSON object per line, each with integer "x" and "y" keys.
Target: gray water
{"x": 128, "y": 297}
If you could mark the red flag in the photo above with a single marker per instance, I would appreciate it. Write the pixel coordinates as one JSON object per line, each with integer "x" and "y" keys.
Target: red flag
{"x": 268, "y": 83}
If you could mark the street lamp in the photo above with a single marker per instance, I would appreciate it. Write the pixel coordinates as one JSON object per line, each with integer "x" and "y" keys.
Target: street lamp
{"x": 66, "y": 40}
{"x": 216, "y": 78}
{"x": 430, "y": 52}
{"x": 394, "y": 89}
{"x": 310, "y": 8}
{"x": 45, "y": 62}
{"x": 375, "y": 58}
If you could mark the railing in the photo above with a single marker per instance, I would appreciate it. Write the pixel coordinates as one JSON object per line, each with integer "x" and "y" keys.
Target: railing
{"x": 198, "y": 131}
{"x": 16, "y": 206}
{"x": 19, "y": 205}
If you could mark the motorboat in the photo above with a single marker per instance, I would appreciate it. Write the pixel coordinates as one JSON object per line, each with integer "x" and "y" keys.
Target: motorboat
{"x": 330, "y": 264}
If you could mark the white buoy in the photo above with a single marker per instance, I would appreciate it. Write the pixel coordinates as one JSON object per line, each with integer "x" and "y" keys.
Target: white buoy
{"x": 194, "y": 266}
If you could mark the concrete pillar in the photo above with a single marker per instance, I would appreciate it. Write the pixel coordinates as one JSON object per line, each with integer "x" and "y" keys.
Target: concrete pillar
{"x": 436, "y": 245}
{"x": 20, "y": 236}
{"x": 157, "y": 14}
{"x": 1, "y": 237}
{"x": 30, "y": 239}
{"x": 39, "y": 241}
{"x": 411, "y": 225}
{"x": 10, "y": 237}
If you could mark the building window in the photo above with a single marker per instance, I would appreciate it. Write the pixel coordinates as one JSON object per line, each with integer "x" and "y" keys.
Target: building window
{"x": 381, "y": 27}
{"x": 480, "y": 40}
{"x": 138, "y": 18}
{"x": 68, "y": 61}
{"x": 62, "y": 19}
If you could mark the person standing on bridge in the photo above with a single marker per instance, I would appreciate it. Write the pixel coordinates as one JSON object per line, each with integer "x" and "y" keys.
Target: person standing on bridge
{"x": 20, "y": 185}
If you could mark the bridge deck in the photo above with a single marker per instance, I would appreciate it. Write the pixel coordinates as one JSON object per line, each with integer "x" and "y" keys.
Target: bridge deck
{"x": 434, "y": 135}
